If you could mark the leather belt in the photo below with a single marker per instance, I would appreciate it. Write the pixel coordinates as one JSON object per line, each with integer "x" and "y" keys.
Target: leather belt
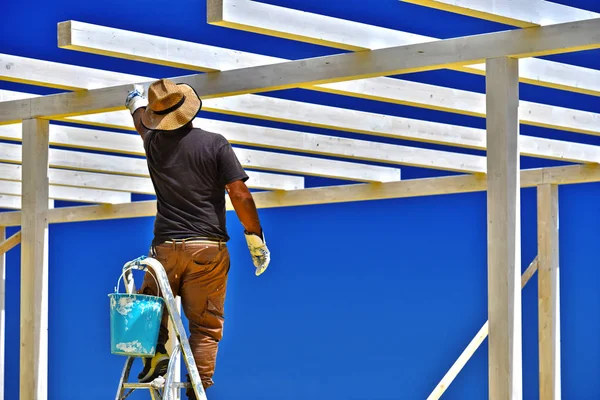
{"x": 191, "y": 240}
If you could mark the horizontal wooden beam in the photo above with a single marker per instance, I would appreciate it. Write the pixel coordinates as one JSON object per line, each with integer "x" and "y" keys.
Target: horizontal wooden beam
{"x": 68, "y": 193}
{"x": 521, "y": 43}
{"x": 132, "y": 145}
{"x": 321, "y": 116}
{"x": 10, "y": 202}
{"x": 134, "y": 184}
{"x": 397, "y": 127}
{"x": 23, "y": 70}
{"x": 96, "y": 39}
{"x": 319, "y": 29}
{"x": 292, "y": 24}
{"x": 334, "y": 194}
{"x": 9, "y": 243}
{"x": 380, "y": 89}
{"x": 521, "y": 13}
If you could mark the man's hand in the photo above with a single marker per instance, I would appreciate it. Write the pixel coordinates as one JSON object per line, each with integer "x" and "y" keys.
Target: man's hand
{"x": 135, "y": 99}
{"x": 261, "y": 256}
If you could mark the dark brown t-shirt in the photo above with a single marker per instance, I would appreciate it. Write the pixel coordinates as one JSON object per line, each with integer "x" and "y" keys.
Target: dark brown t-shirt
{"x": 189, "y": 170}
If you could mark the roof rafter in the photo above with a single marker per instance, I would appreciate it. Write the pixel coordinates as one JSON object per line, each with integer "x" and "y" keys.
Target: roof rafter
{"x": 552, "y": 39}
{"x": 319, "y": 29}
{"x": 141, "y": 185}
{"x": 132, "y": 145}
{"x": 68, "y": 193}
{"x": 381, "y": 89}
{"x": 11, "y": 202}
{"x": 270, "y": 138}
{"x": 521, "y": 13}
{"x": 356, "y": 121}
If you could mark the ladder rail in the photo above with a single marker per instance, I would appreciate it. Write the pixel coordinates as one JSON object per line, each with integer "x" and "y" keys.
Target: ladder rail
{"x": 142, "y": 264}
{"x": 169, "y": 393}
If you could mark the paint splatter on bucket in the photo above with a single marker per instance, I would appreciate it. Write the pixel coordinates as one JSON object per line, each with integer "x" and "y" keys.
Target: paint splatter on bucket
{"x": 134, "y": 324}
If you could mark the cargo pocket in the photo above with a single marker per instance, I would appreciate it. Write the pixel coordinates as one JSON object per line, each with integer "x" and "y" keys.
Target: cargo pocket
{"x": 214, "y": 315}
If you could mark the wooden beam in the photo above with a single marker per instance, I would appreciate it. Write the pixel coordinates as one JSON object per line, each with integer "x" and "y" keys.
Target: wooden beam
{"x": 383, "y": 125}
{"x": 370, "y": 123}
{"x": 256, "y": 159}
{"x": 292, "y": 24}
{"x": 334, "y": 194}
{"x": 34, "y": 262}
{"x": 340, "y": 119}
{"x": 307, "y": 142}
{"x": 531, "y": 42}
{"x": 474, "y": 344}
{"x": 68, "y": 193}
{"x": 97, "y": 39}
{"x": 379, "y": 89}
{"x": 319, "y": 29}
{"x": 23, "y": 70}
{"x": 549, "y": 293}
{"x": 11, "y": 202}
{"x": 521, "y": 13}
{"x": 9, "y": 243}
{"x": 504, "y": 230}
{"x": 133, "y": 184}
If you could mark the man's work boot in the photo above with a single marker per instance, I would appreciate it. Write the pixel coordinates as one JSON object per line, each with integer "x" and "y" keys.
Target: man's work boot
{"x": 155, "y": 366}
{"x": 189, "y": 392}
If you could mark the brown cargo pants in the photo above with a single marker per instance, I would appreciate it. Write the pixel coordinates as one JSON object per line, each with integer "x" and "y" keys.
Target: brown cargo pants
{"x": 198, "y": 272}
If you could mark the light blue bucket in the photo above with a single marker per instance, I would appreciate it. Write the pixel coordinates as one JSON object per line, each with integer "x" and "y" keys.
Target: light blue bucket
{"x": 134, "y": 323}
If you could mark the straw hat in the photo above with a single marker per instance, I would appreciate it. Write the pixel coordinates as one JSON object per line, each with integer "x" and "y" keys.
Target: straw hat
{"x": 170, "y": 106}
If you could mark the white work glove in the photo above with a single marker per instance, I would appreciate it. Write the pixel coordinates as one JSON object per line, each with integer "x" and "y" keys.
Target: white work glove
{"x": 261, "y": 257}
{"x": 135, "y": 99}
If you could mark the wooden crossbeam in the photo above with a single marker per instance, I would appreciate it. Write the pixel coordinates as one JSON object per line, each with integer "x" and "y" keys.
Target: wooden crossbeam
{"x": 335, "y": 194}
{"x": 521, "y": 13}
{"x": 376, "y": 124}
{"x": 319, "y": 29}
{"x": 380, "y": 89}
{"x": 553, "y": 39}
{"x": 474, "y": 344}
{"x": 9, "y": 243}
{"x": 134, "y": 184}
{"x": 11, "y": 202}
{"x": 96, "y": 39}
{"x": 301, "y": 113}
{"x": 312, "y": 143}
{"x": 67, "y": 193}
{"x": 262, "y": 160}
{"x": 367, "y": 123}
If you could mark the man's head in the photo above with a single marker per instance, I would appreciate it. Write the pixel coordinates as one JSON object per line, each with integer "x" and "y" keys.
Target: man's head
{"x": 170, "y": 106}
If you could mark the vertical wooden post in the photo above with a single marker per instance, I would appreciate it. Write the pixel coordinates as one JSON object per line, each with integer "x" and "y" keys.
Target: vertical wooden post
{"x": 2, "y": 314}
{"x": 548, "y": 293}
{"x": 34, "y": 262}
{"x": 504, "y": 229}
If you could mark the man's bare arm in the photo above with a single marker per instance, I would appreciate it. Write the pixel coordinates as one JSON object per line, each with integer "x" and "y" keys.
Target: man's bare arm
{"x": 137, "y": 122}
{"x": 244, "y": 206}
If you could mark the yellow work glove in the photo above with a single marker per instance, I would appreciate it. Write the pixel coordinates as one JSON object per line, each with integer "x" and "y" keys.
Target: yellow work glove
{"x": 261, "y": 256}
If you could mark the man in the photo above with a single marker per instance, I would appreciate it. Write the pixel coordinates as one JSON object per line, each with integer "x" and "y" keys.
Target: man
{"x": 191, "y": 169}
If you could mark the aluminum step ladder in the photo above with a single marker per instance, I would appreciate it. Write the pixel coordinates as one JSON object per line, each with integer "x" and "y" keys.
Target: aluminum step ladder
{"x": 161, "y": 388}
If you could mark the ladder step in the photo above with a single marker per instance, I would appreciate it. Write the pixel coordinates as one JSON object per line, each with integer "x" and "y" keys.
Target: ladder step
{"x": 178, "y": 385}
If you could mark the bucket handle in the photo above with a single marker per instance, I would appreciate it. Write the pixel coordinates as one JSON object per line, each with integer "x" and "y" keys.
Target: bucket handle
{"x": 134, "y": 267}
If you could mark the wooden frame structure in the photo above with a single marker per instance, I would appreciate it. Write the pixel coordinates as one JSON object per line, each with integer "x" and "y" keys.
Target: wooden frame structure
{"x": 32, "y": 171}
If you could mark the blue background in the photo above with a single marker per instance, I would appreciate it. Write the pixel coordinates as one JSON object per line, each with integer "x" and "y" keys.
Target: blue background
{"x": 372, "y": 300}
